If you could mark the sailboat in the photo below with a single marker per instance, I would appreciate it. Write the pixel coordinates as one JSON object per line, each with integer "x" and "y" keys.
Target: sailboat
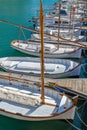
{"x": 66, "y": 34}
{"x": 53, "y": 68}
{"x": 51, "y": 50}
{"x": 51, "y": 26}
{"x": 24, "y": 100}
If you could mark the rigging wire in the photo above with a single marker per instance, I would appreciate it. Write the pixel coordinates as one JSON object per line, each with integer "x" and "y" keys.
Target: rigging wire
{"x": 82, "y": 105}
{"x": 23, "y": 33}
{"x": 27, "y": 28}
{"x": 81, "y": 98}
{"x": 83, "y": 67}
{"x": 84, "y": 53}
{"x": 79, "y": 115}
{"x": 81, "y": 119}
{"x": 77, "y": 128}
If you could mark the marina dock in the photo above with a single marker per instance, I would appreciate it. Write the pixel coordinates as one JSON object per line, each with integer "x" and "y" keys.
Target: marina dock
{"x": 76, "y": 85}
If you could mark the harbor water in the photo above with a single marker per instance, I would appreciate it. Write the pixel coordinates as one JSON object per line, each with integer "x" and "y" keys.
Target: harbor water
{"x": 21, "y": 12}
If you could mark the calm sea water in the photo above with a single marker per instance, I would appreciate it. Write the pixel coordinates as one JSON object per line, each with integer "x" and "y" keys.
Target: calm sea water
{"x": 20, "y": 12}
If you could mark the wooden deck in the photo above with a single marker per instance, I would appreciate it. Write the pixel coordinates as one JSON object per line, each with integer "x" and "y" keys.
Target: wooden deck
{"x": 75, "y": 85}
{"x": 84, "y": 27}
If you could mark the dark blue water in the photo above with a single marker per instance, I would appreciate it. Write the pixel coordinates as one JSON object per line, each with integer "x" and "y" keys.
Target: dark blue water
{"x": 20, "y": 12}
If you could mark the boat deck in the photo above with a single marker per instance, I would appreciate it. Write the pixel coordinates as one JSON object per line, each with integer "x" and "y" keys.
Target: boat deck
{"x": 30, "y": 92}
{"x": 22, "y": 100}
{"x": 23, "y": 108}
{"x": 42, "y": 110}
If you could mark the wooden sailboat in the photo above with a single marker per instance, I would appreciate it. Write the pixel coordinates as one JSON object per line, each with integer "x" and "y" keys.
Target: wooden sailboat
{"x": 54, "y": 68}
{"x": 51, "y": 50}
{"x": 25, "y": 101}
{"x": 52, "y": 23}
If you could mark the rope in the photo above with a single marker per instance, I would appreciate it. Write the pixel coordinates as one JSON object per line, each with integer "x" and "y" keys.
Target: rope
{"x": 81, "y": 119}
{"x": 27, "y": 28}
{"x": 81, "y": 98}
{"x": 83, "y": 67}
{"x": 82, "y": 105}
{"x": 72, "y": 125}
{"x": 84, "y": 52}
{"x": 23, "y": 33}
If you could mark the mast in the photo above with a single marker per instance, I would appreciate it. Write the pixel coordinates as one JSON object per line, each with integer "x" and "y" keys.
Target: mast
{"x": 42, "y": 51}
{"x": 70, "y": 18}
{"x": 59, "y": 22}
{"x": 73, "y": 14}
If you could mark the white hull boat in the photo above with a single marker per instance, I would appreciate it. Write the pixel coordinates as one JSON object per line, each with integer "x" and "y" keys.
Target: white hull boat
{"x": 63, "y": 31}
{"x": 50, "y": 50}
{"x": 64, "y": 20}
{"x": 53, "y": 68}
{"x": 21, "y": 100}
{"x": 24, "y": 100}
{"x": 67, "y": 36}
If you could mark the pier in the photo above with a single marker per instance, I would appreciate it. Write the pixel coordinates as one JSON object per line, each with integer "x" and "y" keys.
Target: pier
{"x": 75, "y": 85}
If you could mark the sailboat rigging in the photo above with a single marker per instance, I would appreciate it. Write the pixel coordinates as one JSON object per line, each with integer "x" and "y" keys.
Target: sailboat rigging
{"x": 30, "y": 102}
